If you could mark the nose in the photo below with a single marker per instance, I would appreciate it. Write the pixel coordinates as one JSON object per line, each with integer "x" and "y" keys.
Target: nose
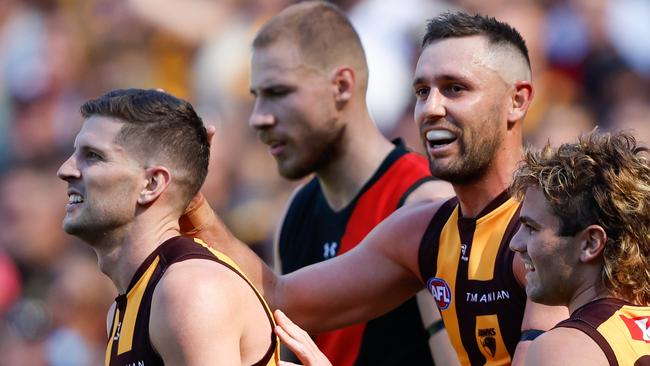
{"x": 260, "y": 118}
{"x": 517, "y": 244}
{"x": 68, "y": 170}
{"x": 432, "y": 108}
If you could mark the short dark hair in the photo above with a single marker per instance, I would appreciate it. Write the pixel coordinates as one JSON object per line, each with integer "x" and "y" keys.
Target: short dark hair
{"x": 160, "y": 126}
{"x": 459, "y": 24}
{"x": 320, "y": 31}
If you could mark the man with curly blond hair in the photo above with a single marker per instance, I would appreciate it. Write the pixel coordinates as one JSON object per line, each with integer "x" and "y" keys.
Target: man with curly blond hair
{"x": 584, "y": 241}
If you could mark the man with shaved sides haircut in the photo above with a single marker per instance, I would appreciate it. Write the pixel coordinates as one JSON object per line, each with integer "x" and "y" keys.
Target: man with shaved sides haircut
{"x": 309, "y": 79}
{"x": 139, "y": 158}
{"x": 473, "y": 87}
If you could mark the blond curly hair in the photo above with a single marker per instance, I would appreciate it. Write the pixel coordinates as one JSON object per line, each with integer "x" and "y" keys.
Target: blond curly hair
{"x": 603, "y": 179}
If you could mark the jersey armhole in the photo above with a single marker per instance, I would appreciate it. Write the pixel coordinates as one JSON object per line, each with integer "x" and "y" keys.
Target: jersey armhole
{"x": 593, "y": 334}
{"x": 428, "y": 251}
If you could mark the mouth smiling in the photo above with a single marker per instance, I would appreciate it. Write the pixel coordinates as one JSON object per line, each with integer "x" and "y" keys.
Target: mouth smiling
{"x": 528, "y": 265}
{"x": 74, "y": 198}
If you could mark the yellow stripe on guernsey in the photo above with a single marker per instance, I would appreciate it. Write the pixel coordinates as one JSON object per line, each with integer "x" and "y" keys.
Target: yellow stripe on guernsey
{"x": 490, "y": 325}
{"x": 634, "y": 323}
{"x": 133, "y": 300}
{"x": 109, "y": 349}
{"x": 448, "y": 257}
{"x": 487, "y": 238}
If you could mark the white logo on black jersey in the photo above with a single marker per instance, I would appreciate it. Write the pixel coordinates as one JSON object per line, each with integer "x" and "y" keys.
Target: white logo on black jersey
{"x": 463, "y": 252}
{"x": 117, "y": 332}
{"x": 329, "y": 249}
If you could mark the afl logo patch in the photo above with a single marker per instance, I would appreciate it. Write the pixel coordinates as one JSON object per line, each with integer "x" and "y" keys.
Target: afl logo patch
{"x": 440, "y": 291}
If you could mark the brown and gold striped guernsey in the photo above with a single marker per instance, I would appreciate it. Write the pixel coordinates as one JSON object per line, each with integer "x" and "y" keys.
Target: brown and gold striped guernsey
{"x": 620, "y": 329}
{"x": 467, "y": 265}
{"x": 129, "y": 343}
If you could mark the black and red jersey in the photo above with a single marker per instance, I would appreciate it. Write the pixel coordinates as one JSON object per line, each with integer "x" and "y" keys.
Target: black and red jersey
{"x": 312, "y": 232}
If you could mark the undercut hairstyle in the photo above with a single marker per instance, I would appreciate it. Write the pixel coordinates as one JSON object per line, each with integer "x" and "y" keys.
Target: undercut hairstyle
{"x": 456, "y": 25}
{"x": 322, "y": 34}
{"x": 162, "y": 129}
{"x": 603, "y": 179}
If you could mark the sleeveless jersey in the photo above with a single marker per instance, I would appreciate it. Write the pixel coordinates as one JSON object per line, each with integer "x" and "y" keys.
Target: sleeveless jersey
{"x": 313, "y": 232}
{"x": 467, "y": 266}
{"x": 129, "y": 343}
{"x": 620, "y": 329}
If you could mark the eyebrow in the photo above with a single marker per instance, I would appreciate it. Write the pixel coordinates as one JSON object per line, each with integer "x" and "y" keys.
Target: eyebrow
{"x": 528, "y": 221}
{"x": 445, "y": 78}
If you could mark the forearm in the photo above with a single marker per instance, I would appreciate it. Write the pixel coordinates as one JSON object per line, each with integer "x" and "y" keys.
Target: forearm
{"x": 442, "y": 351}
{"x": 344, "y": 290}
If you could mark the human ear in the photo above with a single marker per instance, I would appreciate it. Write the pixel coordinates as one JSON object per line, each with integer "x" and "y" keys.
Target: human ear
{"x": 343, "y": 81}
{"x": 520, "y": 101}
{"x": 592, "y": 243}
{"x": 157, "y": 180}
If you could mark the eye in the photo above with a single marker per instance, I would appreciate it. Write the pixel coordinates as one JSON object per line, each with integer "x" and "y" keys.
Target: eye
{"x": 276, "y": 92}
{"x": 529, "y": 229}
{"x": 93, "y": 156}
{"x": 454, "y": 89}
{"x": 421, "y": 92}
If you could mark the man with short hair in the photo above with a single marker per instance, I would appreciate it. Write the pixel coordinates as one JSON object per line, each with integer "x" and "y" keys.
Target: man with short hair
{"x": 584, "y": 242}
{"x": 140, "y": 157}
{"x": 309, "y": 77}
{"x": 473, "y": 88}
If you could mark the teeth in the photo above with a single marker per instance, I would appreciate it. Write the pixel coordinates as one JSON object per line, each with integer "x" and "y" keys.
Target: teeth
{"x": 440, "y": 137}
{"x": 529, "y": 267}
{"x": 435, "y": 135}
{"x": 75, "y": 198}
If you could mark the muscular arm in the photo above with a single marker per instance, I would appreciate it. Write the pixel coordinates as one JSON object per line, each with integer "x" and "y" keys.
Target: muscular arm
{"x": 442, "y": 351}
{"x": 364, "y": 283}
{"x": 369, "y": 280}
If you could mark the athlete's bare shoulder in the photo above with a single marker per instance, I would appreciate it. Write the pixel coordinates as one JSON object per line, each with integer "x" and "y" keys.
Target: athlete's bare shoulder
{"x": 565, "y": 346}
{"x": 201, "y": 311}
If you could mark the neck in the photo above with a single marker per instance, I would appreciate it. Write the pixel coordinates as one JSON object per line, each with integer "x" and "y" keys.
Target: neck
{"x": 587, "y": 295}
{"x": 475, "y": 196}
{"x": 123, "y": 250}
{"x": 363, "y": 149}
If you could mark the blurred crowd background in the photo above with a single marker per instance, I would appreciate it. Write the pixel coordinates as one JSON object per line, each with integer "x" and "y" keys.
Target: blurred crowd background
{"x": 591, "y": 66}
